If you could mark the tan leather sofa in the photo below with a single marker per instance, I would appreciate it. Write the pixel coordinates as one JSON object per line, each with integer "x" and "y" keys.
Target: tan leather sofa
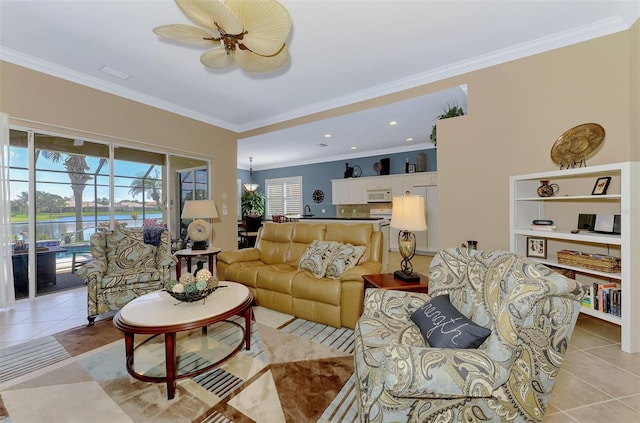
{"x": 270, "y": 271}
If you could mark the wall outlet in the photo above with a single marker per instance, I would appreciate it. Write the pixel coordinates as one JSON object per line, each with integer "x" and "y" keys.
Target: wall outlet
{"x": 353, "y": 210}
{"x": 341, "y": 210}
{"x": 322, "y": 210}
{"x": 225, "y": 211}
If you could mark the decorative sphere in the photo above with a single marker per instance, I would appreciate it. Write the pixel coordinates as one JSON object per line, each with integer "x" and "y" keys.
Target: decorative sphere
{"x": 190, "y": 288}
{"x": 178, "y": 288}
{"x": 186, "y": 278}
{"x": 201, "y": 285}
{"x": 203, "y": 275}
{"x": 212, "y": 282}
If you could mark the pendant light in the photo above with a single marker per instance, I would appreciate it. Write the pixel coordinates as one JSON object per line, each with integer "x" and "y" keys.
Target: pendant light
{"x": 251, "y": 187}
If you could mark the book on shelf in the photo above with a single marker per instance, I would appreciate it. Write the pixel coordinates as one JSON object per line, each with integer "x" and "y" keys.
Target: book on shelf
{"x": 605, "y": 297}
{"x": 535, "y": 227}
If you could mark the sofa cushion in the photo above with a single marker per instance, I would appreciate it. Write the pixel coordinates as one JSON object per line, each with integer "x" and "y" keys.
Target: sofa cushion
{"x": 345, "y": 257}
{"x": 273, "y": 242}
{"x": 445, "y": 327}
{"x": 303, "y": 235}
{"x": 316, "y": 258}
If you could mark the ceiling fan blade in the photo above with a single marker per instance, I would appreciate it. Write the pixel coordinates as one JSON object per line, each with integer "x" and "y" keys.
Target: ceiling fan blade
{"x": 186, "y": 34}
{"x": 252, "y": 62}
{"x": 209, "y": 12}
{"x": 266, "y": 22}
{"x": 217, "y": 58}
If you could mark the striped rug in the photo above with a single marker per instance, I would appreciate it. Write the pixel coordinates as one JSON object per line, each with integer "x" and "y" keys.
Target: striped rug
{"x": 30, "y": 356}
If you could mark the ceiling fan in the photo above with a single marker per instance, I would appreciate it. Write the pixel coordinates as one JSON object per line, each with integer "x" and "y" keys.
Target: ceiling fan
{"x": 251, "y": 33}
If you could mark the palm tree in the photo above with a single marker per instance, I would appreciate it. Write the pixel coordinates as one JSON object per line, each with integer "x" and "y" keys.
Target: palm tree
{"x": 76, "y": 167}
{"x": 151, "y": 186}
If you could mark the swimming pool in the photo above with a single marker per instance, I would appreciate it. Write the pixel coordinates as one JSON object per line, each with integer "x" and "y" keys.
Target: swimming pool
{"x": 78, "y": 248}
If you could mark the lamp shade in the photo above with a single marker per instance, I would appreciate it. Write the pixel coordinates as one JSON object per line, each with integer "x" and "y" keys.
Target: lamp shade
{"x": 251, "y": 187}
{"x": 408, "y": 213}
{"x": 194, "y": 209}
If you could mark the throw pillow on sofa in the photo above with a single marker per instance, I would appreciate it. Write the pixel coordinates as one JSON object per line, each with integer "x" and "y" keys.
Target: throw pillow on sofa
{"x": 316, "y": 258}
{"x": 345, "y": 257}
{"x": 443, "y": 326}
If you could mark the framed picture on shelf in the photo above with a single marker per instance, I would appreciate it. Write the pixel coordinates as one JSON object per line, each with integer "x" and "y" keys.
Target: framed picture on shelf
{"x": 412, "y": 168}
{"x": 600, "y": 188}
{"x": 536, "y": 247}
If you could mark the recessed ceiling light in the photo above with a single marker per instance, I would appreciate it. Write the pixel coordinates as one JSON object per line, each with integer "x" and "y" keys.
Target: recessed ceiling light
{"x": 327, "y": 135}
{"x": 115, "y": 72}
{"x": 393, "y": 123}
{"x": 409, "y": 139}
{"x": 354, "y": 148}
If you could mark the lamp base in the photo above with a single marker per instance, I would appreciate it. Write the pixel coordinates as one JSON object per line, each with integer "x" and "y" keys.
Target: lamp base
{"x": 199, "y": 245}
{"x": 410, "y": 277}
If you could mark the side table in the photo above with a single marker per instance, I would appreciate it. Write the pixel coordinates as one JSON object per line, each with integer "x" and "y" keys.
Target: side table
{"x": 387, "y": 281}
{"x": 188, "y": 254}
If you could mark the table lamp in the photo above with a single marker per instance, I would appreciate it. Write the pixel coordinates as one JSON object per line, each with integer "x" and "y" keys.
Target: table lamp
{"x": 199, "y": 230}
{"x": 408, "y": 215}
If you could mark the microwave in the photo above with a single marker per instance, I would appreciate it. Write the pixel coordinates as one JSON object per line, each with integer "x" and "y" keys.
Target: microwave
{"x": 379, "y": 196}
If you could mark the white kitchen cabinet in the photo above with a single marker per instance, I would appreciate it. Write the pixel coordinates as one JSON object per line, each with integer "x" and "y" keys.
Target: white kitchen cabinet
{"x": 425, "y": 179}
{"x": 377, "y": 182}
{"x": 400, "y": 184}
{"x": 426, "y": 241}
{"x": 575, "y": 197}
{"x": 348, "y": 191}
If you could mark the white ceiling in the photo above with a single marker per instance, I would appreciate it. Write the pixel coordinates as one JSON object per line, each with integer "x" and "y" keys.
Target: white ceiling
{"x": 341, "y": 52}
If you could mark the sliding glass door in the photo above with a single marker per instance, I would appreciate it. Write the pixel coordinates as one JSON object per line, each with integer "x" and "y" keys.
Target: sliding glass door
{"x": 62, "y": 190}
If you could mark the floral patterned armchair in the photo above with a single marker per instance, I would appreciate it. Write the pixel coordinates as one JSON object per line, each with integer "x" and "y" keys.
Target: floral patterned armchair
{"x": 125, "y": 267}
{"x": 531, "y": 312}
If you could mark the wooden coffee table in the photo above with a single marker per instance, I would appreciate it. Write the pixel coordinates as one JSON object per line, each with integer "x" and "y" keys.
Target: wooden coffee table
{"x": 158, "y": 313}
{"x": 387, "y": 281}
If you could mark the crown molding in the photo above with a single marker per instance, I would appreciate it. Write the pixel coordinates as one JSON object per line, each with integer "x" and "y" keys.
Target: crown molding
{"x": 541, "y": 45}
{"x": 562, "y": 39}
{"x": 33, "y": 63}
{"x": 342, "y": 157}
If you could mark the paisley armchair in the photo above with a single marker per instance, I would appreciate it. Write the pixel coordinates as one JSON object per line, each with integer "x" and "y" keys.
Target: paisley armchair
{"x": 531, "y": 312}
{"x": 124, "y": 267}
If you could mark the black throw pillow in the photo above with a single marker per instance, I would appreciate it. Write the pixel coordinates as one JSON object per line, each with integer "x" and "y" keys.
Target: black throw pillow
{"x": 443, "y": 326}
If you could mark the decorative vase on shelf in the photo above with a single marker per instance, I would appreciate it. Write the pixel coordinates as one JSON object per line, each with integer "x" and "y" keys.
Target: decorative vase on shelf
{"x": 547, "y": 190}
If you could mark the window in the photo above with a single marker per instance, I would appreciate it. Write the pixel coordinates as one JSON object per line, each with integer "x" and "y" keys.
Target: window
{"x": 284, "y": 196}
{"x": 63, "y": 189}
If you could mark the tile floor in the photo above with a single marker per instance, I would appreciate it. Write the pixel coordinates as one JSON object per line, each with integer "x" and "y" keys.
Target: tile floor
{"x": 597, "y": 382}
{"x": 46, "y": 315}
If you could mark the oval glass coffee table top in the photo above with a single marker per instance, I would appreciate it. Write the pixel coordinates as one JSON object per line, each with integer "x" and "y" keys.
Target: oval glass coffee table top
{"x": 161, "y": 309}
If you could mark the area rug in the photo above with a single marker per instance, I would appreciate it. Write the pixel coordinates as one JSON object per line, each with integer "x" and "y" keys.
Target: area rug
{"x": 295, "y": 371}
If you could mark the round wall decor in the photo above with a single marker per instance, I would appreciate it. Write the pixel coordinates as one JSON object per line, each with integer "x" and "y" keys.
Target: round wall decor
{"x": 318, "y": 196}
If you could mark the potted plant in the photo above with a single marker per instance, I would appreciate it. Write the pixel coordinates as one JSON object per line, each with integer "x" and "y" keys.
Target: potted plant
{"x": 449, "y": 112}
{"x": 252, "y": 203}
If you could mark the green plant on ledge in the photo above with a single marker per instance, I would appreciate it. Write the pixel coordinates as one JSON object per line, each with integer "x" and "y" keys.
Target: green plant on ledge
{"x": 449, "y": 112}
{"x": 252, "y": 203}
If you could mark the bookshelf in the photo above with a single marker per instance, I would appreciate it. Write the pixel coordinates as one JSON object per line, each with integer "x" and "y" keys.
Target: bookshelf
{"x": 575, "y": 197}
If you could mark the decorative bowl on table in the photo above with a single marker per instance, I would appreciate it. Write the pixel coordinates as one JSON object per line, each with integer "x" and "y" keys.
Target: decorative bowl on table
{"x": 192, "y": 288}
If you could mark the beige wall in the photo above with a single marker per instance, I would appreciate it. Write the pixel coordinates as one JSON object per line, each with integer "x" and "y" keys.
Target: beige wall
{"x": 43, "y": 102}
{"x": 516, "y": 112}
